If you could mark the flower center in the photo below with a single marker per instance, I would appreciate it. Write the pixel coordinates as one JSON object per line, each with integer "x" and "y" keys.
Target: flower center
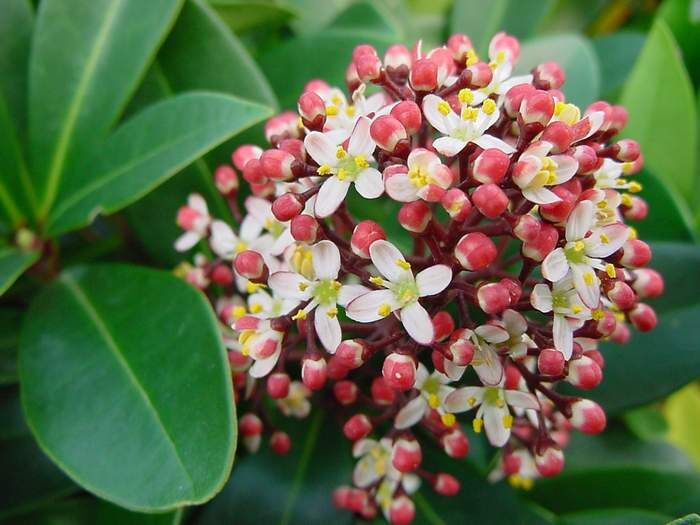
{"x": 418, "y": 177}
{"x": 326, "y": 291}
{"x": 574, "y": 252}
{"x": 405, "y": 291}
{"x": 274, "y": 227}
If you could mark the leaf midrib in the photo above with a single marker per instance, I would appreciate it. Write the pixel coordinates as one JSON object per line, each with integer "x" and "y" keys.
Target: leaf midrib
{"x": 84, "y": 301}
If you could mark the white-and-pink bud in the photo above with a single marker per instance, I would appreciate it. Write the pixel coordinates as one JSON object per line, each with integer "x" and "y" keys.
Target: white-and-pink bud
{"x": 507, "y": 44}
{"x": 475, "y": 251}
{"x": 396, "y": 57}
{"x": 406, "y": 455}
{"x": 287, "y": 206}
{"x": 402, "y": 511}
{"x": 399, "y": 371}
{"x": 278, "y": 385}
{"x": 551, "y": 362}
{"x": 537, "y": 107}
{"x": 242, "y": 154}
{"x": 584, "y": 373}
{"x": 387, "y": 131}
{"x": 382, "y": 393}
{"x": 409, "y": 114}
{"x": 455, "y": 443}
{"x": 280, "y": 443}
{"x": 459, "y": 44}
{"x": 312, "y": 109}
{"x": 445, "y": 485}
{"x": 352, "y": 353}
{"x": 550, "y": 463}
{"x": 251, "y": 265}
{"x": 635, "y": 254}
{"x": 364, "y": 234}
{"x": 345, "y": 392}
{"x": 282, "y": 126}
{"x": 226, "y": 180}
{"x": 304, "y": 228}
{"x": 588, "y": 417}
{"x": 643, "y": 317}
{"x": 415, "y": 216}
{"x": 424, "y": 75}
{"x": 493, "y": 298}
{"x": 548, "y": 75}
{"x": 543, "y": 244}
{"x": 490, "y": 166}
{"x": 277, "y": 164}
{"x": 313, "y": 372}
{"x": 456, "y": 203}
{"x": 357, "y": 427}
{"x": 490, "y": 200}
{"x": 647, "y": 283}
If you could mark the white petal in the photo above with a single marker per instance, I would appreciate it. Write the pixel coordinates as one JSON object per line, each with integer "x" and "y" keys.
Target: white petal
{"x": 563, "y": 336}
{"x": 325, "y": 259}
{"x": 417, "y": 322}
{"x": 350, "y": 292}
{"x": 589, "y": 293}
{"x": 281, "y": 243}
{"x": 454, "y": 372}
{"x": 433, "y": 280}
{"x": 400, "y": 188}
{"x": 250, "y": 228}
{"x": 431, "y": 112}
{"x": 540, "y": 195}
{"x": 489, "y": 141}
{"x": 496, "y": 431}
{"x": 289, "y": 285}
{"x": 514, "y": 81}
{"x": 369, "y": 183}
{"x": 520, "y": 399}
{"x": 579, "y": 222}
{"x": 259, "y": 208}
{"x": 186, "y": 241}
{"x": 555, "y": 265}
{"x": 327, "y": 328}
{"x": 567, "y": 167}
{"x": 384, "y": 256}
{"x": 330, "y": 196}
{"x": 197, "y": 203}
{"x": 262, "y": 367}
{"x": 421, "y": 375}
{"x": 541, "y": 298}
{"x": 489, "y": 369}
{"x": 617, "y": 235}
{"x": 223, "y": 241}
{"x": 449, "y": 146}
{"x": 361, "y": 142}
{"x": 365, "y": 308}
{"x": 514, "y": 322}
{"x": 595, "y": 119}
{"x": 411, "y": 413}
{"x": 492, "y": 334}
{"x": 321, "y": 148}
{"x": 365, "y": 473}
{"x": 458, "y": 401}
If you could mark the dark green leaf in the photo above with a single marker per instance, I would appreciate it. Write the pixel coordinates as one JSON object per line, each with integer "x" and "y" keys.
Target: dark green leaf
{"x": 315, "y": 15}
{"x": 146, "y": 150}
{"x": 244, "y": 15}
{"x": 480, "y": 20}
{"x": 662, "y": 113}
{"x": 617, "y": 53}
{"x": 13, "y": 262}
{"x": 87, "y": 59}
{"x": 575, "y": 55}
{"x": 126, "y": 386}
{"x": 367, "y": 18}
{"x": 683, "y": 20}
{"x": 647, "y": 423}
{"x": 613, "y": 517}
{"x": 9, "y": 342}
{"x": 678, "y": 264}
{"x": 690, "y": 519}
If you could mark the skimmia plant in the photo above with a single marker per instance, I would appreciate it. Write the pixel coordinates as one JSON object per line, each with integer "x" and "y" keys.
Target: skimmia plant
{"x": 517, "y": 260}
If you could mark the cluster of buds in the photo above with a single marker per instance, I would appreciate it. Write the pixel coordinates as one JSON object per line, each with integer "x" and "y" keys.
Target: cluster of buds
{"x": 512, "y": 259}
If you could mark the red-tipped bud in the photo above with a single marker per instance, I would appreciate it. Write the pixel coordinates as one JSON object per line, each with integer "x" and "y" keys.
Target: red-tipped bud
{"x": 455, "y": 444}
{"x": 387, "y": 132}
{"x": 415, "y": 216}
{"x": 622, "y": 295}
{"x": 443, "y": 325}
{"x": 460, "y": 45}
{"x": 514, "y": 98}
{"x": 424, "y": 75}
{"x": 406, "y": 455}
{"x": 584, "y": 373}
{"x": 618, "y": 119}
{"x": 515, "y": 290}
{"x": 537, "y": 107}
{"x": 253, "y": 172}
{"x": 559, "y": 135}
{"x": 588, "y": 417}
{"x": 635, "y": 253}
{"x": 462, "y": 352}
{"x": 226, "y": 180}
{"x": 513, "y": 377}
{"x": 312, "y": 109}
{"x": 606, "y": 325}
{"x": 318, "y": 86}
{"x": 280, "y": 443}
{"x": 456, "y": 203}
{"x": 527, "y": 228}
{"x": 491, "y": 166}
{"x": 409, "y": 114}
{"x": 352, "y": 353}
{"x": 621, "y": 334}
{"x": 349, "y": 498}
{"x": 559, "y": 211}
{"x": 648, "y": 283}
{"x": 397, "y": 56}
{"x": 493, "y": 298}
{"x": 357, "y": 427}
{"x": 250, "y": 425}
{"x": 222, "y": 275}
{"x": 475, "y": 251}
{"x": 445, "y": 485}
{"x": 368, "y": 67}
{"x": 382, "y": 393}
{"x": 551, "y": 362}
{"x": 504, "y": 43}
{"x": 550, "y": 463}
{"x": 278, "y": 385}
{"x": 282, "y": 126}
{"x": 336, "y": 369}
{"x": 352, "y": 80}
{"x": 287, "y": 206}
{"x": 399, "y": 371}
{"x": 251, "y": 265}
{"x": 637, "y": 209}
{"x": 490, "y": 200}
{"x": 402, "y": 511}
{"x": 545, "y": 242}
{"x": 364, "y": 234}
{"x": 587, "y": 159}
{"x": 277, "y": 164}
{"x": 481, "y": 75}
{"x": 313, "y": 373}
{"x": 628, "y": 150}
{"x": 643, "y": 317}
{"x": 242, "y": 154}
{"x": 345, "y": 392}
{"x": 548, "y": 75}
{"x": 304, "y": 228}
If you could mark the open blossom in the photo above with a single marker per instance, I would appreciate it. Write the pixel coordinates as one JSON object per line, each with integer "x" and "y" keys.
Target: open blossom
{"x": 433, "y": 390}
{"x": 425, "y": 177}
{"x": 536, "y": 170}
{"x": 261, "y": 342}
{"x": 194, "y": 219}
{"x": 401, "y": 292}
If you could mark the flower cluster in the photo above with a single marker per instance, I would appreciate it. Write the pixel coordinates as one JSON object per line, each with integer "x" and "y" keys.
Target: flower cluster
{"x": 507, "y": 259}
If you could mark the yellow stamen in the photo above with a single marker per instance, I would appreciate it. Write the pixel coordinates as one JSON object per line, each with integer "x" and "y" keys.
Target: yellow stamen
{"x": 602, "y": 204}
{"x": 507, "y": 421}
{"x": 626, "y": 200}
{"x": 340, "y": 153}
{"x": 301, "y": 314}
{"x": 576, "y": 309}
{"x": 588, "y": 278}
{"x": 448, "y": 419}
{"x": 610, "y": 270}
{"x": 361, "y": 162}
{"x": 604, "y": 238}
{"x": 489, "y": 106}
{"x": 256, "y": 308}
{"x": 597, "y": 314}
{"x": 477, "y": 424}
{"x": 471, "y": 400}
{"x": 342, "y": 174}
{"x": 251, "y": 287}
{"x": 336, "y": 285}
{"x": 324, "y": 169}
{"x": 500, "y": 57}
{"x": 384, "y": 310}
{"x": 375, "y": 279}
{"x": 579, "y": 246}
{"x": 350, "y": 111}
{"x": 626, "y": 167}
{"x": 632, "y": 232}
{"x": 302, "y": 286}
{"x": 433, "y": 401}
{"x": 472, "y": 58}
{"x": 469, "y": 113}
{"x": 239, "y": 311}
{"x": 465, "y": 96}
{"x": 444, "y": 108}
{"x": 332, "y": 312}
{"x": 332, "y": 111}
{"x": 245, "y": 335}
{"x": 404, "y": 265}
{"x": 634, "y": 187}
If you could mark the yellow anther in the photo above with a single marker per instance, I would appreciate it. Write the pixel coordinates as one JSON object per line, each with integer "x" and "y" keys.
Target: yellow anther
{"x": 597, "y": 314}
{"x": 239, "y": 311}
{"x": 602, "y": 204}
{"x": 500, "y": 403}
{"x": 433, "y": 401}
{"x": 493, "y": 66}
{"x": 324, "y": 169}
{"x": 631, "y": 232}
{"x": 626, "y": 167}
{"x": 507, "y": 421}
{"x": 444, "y": 108}
{"x": 336, "y": 285}
{"x": 548, "y": 164}
{"x": 375, "y": 279}
{"x": 489, "y": 106}
{"x": 350, "y": 111}
{"x": 626, "y": 200}
{"x": 342, "y": 174}
{"x": 567, "y": 113}
{"x": 604, "y": 238}
{"x": 527, "y": 483}
{"x": 471, "y": 400}
{"x": 448, "y": 419}
{"x": 336, "y": 100}
{"x": 514, "y": 480}
{"x": 332, "y": 111}
{"x": 500, "y": 56}
{"x": 469, "y": 113}
{"x": 588, "y": 278}
{"x": 256, "y": 308}
{"x": 245, "y": 336}
{"x": 472, "y": 58}
{"x": 634, "y": 187}
{"x": 251, "y": 287}
{"x": 340, "y": 153}
{"x": 361, "y": 162}
{"x": 302, "y": 286}
{"x": 384, "y": 310}
{"x": 332, "y": 312}
{"x": 300, "y": 122}
{"x": 477, "y": 424}
{"x": 404, "y": 265}
{"x": 579, "y": 246}
{"x": 240, "y": 246}
{"x": 559, "y": 107}
{"x": 245, "y": 351}
{"x": 610, "y": 270}
{"x": 576, "y": 309}
{"x": 408, "y": 296}
{"x": 465, "y": 96}
{"x": 552, "y": 178}
{"x": 301, "y": 314}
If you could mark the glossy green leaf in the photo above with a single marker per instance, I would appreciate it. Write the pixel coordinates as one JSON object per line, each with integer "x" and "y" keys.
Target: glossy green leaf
{"x": 146, "y": 150}
{"x": 315, "y": 15}
{"x": 690, "y": 519}
{"x": 613, "y": 517}
{"x": 126, "y": 386}
{"x": 681, "y": 410}
{"x": 575, "y": 55}
{"x": 87, "y": 59}
{"x": 481, "y": 20}
{"x": 617, "y": 53}
{"x": 244, "y": 15}
{"x": 9, "y": 342}
{"x": 683, "y": 19}
{"x": 647, "y": 423}
{"x": 13, "y": 262}
{"x": 367, "y": 18}
{"x": 292, "y": 489}
{"x": 662, "y": 113}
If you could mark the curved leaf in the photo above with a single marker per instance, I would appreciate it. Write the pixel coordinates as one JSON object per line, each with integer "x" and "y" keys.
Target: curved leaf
{"x": 617, "y": 53}
{"x": 10, "y": 319}
{"x": 244, "y": 15}
{"x": 87, "y": 58}
{"x": 613, "y": 517}
{"x": 680, "y": 410}
{"x": 125, "y": 385}
{"x": 13, "y": 262}
{"x": 683, "y": 19}
{"x": 146, "y": 150}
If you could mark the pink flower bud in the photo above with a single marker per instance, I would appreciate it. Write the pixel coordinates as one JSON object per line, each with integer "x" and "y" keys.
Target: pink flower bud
{"x": 493, "y": 298}
{"x": 242, "y": 154}
{"x": 481, "y": 75}
{"x": 350, "y": 498}
{"x": 424, "y": 75}
{"x": 280, "y": 443}
{"x": 253, "y": 172}
{"x": 462, "y": 352}
{"x": 277, "y": 164}
{"x": 190, "y": 219}
{"x": 537, "y": 107}
{"x": 545, "y": 242}
{"x": 588, "y": 417}
{"x": 251, "y": 265}
{"x": 527, "y": 228}
{"x": 621, "y": 334}
{"x": 490, "y": 200}
{"x": 397, "y": 56}
{"x": 387, "y": 132}
{"x": 445, "y": 485}
{"x": 456, "y": 204}
{"x": 406, "y": 455}
{"x": 304, "y": 228}
{"x": 559, "y": 135}
{"x": 438, "y": 359}
{"x": 559, "y": 211}
{"x": 312, "y": 110}
{"x": 352, "y": 80}
{"x": 364, "y": 234}
{"x": 278, "y": 385}
{"x": 622, "y": 295}
{"x": 459, "y": 44}
{"x": 635, "y": 253}
{"x": 222, "y": 275}
{"x": 647, "y": 283}
{"x": 513, "y": 377}
{"x": 250, "y": 425}
{"x": 514, "y": 98}
{"x": 415, "y": 216}
{"x": 368, "y": 67}
{"x": 318, "y": 86}
{"x": 363, "y": 50}
{"x": 455, "y": 443}
{"x": 606, "y": 325}
{"x": 402, "y": 511}
{"x": 628, "y": 150}
{"x": 336, "y": 369}
{"x": 587, "y": 159}
{"x": 548, "y": 75}
{"x": 443, "y": 325}
{"x": 287, "y": 206}
{"x": 345, "y": 392}
{"x": 352, "y": 353}
{"x": 226, "y": 180}
{"x": 357, "y": 427}
{"x": 584, "y": 373}
{"x": 313, "y": 373}
{"x": 637, "y": 210}
{"x": 445, "y": 64}
{"x": 511, "y": 462}
{"x": 409, "y": 114}
{"x": 618, "y": 119}
{"x": 491, "y": 166}
{"x": 515, "y": 290}
{"x": 282, "y": 126}
{"x": 550, "y": 463}
{"x": 551, "y": 362}
{"x": 399, "y": 371}
{"x": 643, "y": 317}
{"x": 475, "y": 251}
{"x": 507, "y": 44}
{"x": 382, "y": 393}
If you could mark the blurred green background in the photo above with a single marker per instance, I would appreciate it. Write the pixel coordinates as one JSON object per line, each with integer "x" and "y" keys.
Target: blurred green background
{"x": 643, "y": 54}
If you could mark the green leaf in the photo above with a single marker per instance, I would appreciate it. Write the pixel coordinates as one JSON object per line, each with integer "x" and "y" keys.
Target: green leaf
{"x": 480, "y": 20}
{"x": 146, "y": 150}
{"x": 647, "y": 423}
{"x": 681, "y": 410}
{"x": 662, "y": 113}
{"x": 683, "y": 19}
{"x": 9, "y": 342}
{"x": 690, "y": 519}
{"x": 126, "y": 386}
{"x": 292, "y": 489}
{"x": 575, "y": 55}
{"x": 613, "y": 517}
{"x": 315, "y": 15}
{"x": 367, "y": 18}
{"x": 617, "y": 53}
{"x": 244, "y": 15}
{"x": 13, "y": 262}
{"x": 87, "y": 59}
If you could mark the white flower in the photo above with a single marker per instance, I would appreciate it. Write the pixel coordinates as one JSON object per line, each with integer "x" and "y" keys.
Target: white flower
{"x": 516, "y": 326}
{"x": 322, "y": 290}
{"x": 569, "y": 311}
{"x": 343, "y": 168}
{"x": 585, "y": 246}
{"x": 425, "y": 178}
{"x": 493, "y": 413}
{"x": 266, "y": 306}
{"x": 297, "y": 403}
{"x": 610, "y": 174}
{"x": 432, "y": 392}
{"x": 341, "y": 117}
{"x": 486, "y": 361}
{"x": 501, "y": 81}
{"x": 401, "y": 293}
{"x": 535, "y": 170}
{"x": 260, "y": 218}
{"x": 259, "y": 341}
{"x": 459, "y": 130}
{"x": 194, "y": 219}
